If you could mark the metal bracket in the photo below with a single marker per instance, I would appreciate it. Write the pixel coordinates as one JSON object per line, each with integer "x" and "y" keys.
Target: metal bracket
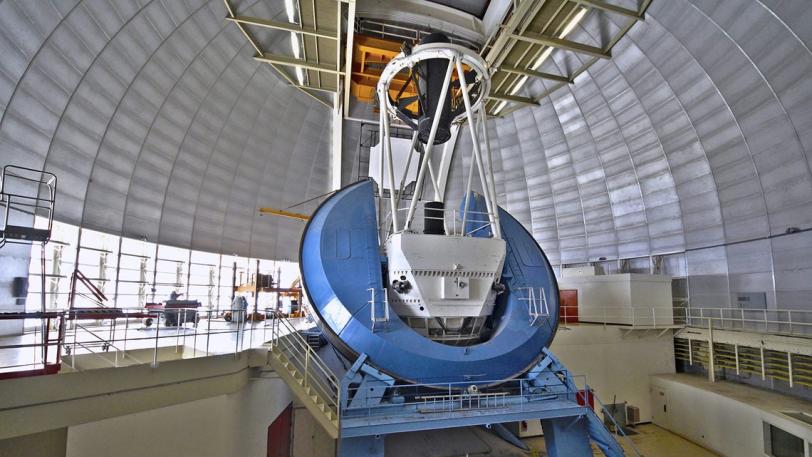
{"x": 364, "y": 386}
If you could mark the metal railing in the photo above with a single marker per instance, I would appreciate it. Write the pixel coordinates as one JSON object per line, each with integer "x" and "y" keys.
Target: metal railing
{"x": 113, "y": 334}
{"x": 451, "y": 398}
{"x": 619, "y": 430}
{"x": 34, "y": 194}
{"x": 316, "y": 374}
{"x": 633, "y": 316}
{"x": 462, "y": 402}
{"x": 774, "y": 321}
{"x": 779, "y": 321}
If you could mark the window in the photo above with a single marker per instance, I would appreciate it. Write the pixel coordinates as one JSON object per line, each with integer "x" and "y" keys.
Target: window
{"x": 133, "y": 272}
{"x": 780, "y": 443}
{"x": 204, "y": 280}
{"x": 136, "y": 273}
{"x": 60, "y": 256}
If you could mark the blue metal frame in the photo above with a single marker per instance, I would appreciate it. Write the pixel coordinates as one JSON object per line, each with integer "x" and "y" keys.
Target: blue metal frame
{"x": 340, "y": 261}
{"x": 373, "y": 406}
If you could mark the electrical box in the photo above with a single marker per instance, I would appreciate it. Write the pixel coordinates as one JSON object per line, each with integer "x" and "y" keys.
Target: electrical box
{"x": 526, "y": 428}
{"x": 632, "y": 414}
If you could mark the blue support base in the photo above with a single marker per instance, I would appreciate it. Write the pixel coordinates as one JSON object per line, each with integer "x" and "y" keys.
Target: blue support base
{"x": 567, "y": 437}
{"x": 373, "y": 406}
{"x": 362, "y": 446}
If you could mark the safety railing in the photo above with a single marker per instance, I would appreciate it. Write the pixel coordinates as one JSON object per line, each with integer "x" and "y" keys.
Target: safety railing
{"x": 110, "y": 337}
{"x": 30, "y": 194}
{"x": 462, "y": 402}
{"x": 619, "y": 429}
{"x": 450, "y": 399}
{"x": 791, "y": 322}
{"x": 316, "y": 374}
{"x": 32, "y": 353}
{"x": 780, "y": 321}
{"x": 633, "y": 316}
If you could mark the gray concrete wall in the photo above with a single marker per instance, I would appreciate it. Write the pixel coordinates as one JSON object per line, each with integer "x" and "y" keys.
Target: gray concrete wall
{"x": 617, "y": 364}
{"x": 309, "y": 438}
{"x": 43, "y": 444}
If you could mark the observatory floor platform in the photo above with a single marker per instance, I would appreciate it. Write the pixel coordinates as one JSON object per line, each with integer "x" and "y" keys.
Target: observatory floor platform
{"x": 400, "y": 421}
{"x": 478, "y": 442}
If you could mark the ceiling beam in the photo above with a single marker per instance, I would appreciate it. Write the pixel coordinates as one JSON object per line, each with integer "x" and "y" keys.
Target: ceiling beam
{"x": 535, "y": 74}
{"x": 253, "y": 42}
{"x": 292, "y": 62}
{"x": 561, "y": 43}
{"x": 290, "y": 27}
{"x": 317, "y": 89}
{"x": 512, "y": 99}
{"x": 608, "y": 7}
{"x": 348, "y": 56}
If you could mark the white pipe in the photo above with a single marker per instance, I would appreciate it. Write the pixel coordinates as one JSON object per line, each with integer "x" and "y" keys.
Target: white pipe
{"x": 477, "y": 153}
{"x": 486, "y": 189}
{"x": 380, "y": 176}
{"x": 467, "y": 195}
{"x": 412, "y": 149}
{"x": 484, "y": 116}
{"x": 434, "y": 184}
{"x": 391, "y": 170}
{"x": 429, "y": 145}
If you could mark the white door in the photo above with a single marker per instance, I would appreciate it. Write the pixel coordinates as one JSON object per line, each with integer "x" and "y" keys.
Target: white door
{"x": 659, "y": 408}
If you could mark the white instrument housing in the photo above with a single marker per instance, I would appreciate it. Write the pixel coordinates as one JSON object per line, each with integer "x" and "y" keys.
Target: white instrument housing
{"x": 451, "y": 278}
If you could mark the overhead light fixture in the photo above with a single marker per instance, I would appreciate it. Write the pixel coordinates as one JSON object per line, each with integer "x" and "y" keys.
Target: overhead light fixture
{"x": 545, "y": 54}
{"x": 290, "y": 9}
{"x": 573, "y": 22}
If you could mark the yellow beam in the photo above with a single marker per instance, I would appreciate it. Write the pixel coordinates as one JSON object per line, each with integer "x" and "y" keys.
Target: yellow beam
{"x": 283, "y": 213}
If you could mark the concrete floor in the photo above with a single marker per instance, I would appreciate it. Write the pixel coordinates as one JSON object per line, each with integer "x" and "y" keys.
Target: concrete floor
{"x": 651, "y": 441}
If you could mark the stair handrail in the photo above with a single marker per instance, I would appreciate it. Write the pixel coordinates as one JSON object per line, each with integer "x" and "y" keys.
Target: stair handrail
{"x": 303, "y": 344}
{"x": 328, "y": 388}
{"x": 311, "y": 358}
{"x": 325, "y": 388}
{"x": 618, "y": 429}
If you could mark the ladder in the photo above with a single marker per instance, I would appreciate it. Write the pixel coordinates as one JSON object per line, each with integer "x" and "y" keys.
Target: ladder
{"x": 537, "y": 307}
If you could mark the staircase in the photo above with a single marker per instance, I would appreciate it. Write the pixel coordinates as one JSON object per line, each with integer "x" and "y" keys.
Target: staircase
{"x": 295, "y": 360}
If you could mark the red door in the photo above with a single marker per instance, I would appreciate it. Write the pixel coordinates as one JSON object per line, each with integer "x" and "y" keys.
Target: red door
{"x": 568, "y": 313}
{"x": 279, "y": 434}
